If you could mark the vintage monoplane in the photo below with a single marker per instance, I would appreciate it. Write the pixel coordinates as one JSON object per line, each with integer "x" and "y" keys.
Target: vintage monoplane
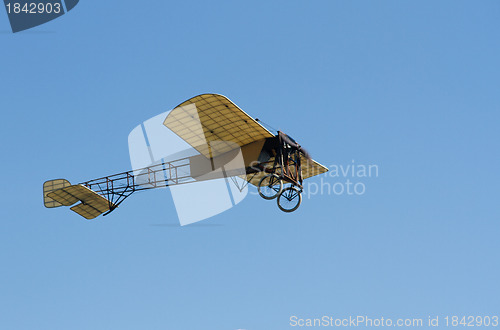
{"x": 217, "y": 129}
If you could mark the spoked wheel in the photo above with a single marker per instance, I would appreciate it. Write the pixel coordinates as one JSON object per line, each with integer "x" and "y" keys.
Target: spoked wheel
{"x": 270, "y": 186}
{"x": 290, "y": 198}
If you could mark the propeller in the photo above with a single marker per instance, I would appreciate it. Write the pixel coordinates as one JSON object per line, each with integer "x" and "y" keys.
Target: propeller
{"x": 294, "y": 144}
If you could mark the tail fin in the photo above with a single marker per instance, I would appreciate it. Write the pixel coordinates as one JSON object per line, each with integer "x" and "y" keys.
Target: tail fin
{"x": 50, "y": 186}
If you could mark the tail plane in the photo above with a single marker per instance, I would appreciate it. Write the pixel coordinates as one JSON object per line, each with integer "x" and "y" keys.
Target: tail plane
{"x": 61, "y": 192}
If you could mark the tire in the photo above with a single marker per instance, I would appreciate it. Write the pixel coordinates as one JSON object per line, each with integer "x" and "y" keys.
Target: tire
{"x": 270, "y": 186}
{"x": 289, "y": 199}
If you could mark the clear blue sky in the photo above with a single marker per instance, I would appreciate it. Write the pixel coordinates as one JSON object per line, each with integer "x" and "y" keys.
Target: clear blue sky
{"x": 412, "y": 86}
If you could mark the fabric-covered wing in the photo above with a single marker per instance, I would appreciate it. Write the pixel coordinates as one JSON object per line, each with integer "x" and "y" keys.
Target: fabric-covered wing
{"x": 310, "y": 168}
{"x": 214, "y": 125}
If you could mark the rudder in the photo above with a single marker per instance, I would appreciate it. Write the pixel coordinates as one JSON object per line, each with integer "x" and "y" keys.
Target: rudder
{"x": 50, "y": 186}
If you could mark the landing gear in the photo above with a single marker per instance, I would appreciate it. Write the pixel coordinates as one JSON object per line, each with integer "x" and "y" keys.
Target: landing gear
{"x": 270, "y": 186}
{"x": 289, "y": 199}
{"x": 286, "y": 169}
